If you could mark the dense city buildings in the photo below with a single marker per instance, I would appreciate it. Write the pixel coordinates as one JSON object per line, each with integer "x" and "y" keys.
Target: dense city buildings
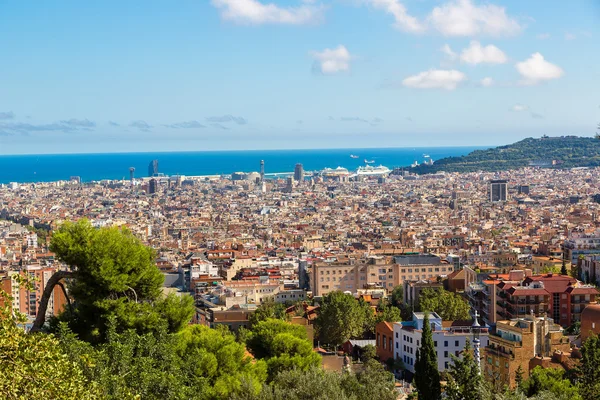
{"x": 234, "y": 242}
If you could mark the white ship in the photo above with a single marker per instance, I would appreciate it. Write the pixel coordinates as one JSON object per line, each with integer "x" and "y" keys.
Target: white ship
{"x": 369, "y": 170}
{"x": 353, "y": 156}
{"x": 337, "y": 172}
{"x": 369, "y": 161}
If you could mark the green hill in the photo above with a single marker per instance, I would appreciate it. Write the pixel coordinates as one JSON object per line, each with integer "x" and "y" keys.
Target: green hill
{"x": 552, "y": 152}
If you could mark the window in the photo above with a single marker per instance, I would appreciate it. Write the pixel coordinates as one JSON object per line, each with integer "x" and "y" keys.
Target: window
{"x": 417, "y": 343}
{"x": 456, "y": 343}
{"x": 396, "y": 344}
{"x": 445, "y": 354}
{"x": 396, "y": 335}
{"x": 435, "y": 343}
{"x": 446, "y": 365}
{"x": 456, "y": 353}
{"x": 384, "y": 342}
{"x": 445, "y": 343}
{"x": 378, "y": 339}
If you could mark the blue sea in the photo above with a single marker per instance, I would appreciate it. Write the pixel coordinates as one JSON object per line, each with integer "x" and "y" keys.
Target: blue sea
{"x": 89, "y": 167}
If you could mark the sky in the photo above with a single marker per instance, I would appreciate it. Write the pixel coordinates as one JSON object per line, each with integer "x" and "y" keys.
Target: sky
{"x": 122, "y": 76}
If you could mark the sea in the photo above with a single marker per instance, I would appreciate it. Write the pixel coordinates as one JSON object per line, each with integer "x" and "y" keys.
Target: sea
{"x": 95, "y": 167}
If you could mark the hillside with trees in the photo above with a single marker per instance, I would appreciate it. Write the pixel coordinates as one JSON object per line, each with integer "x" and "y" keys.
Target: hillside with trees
{"x": 551, "y": 152}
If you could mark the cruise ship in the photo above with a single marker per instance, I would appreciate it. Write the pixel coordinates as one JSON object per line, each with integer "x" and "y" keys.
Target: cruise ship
{"x": 369, "y": 170}
{"x": 335, "y": 173}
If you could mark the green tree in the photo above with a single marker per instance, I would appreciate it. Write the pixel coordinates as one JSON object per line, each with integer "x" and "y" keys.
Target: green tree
{"x": 449, "y": 306}
{"x": 369, "y": 352}
{"x": 398, "y": 296}
{"x": 464, "y": 380}
{"x": 217, "y": 362}
{"x": 387, "y": 312}
{"x": 552, "y": 380}
{"x": 33, "y": 366}
{"x": 112, "y": 275}
{"x": 268, "y": 309}
{"x": 372, "y": 382}
{"x": 340, "y": 318}
{"x": 128, "y": 365}
{"x": 283, "y": 346}
{"x": 427, "y": 376}
{"x": 589, "y": 370}
{"x": 519, "y": 376}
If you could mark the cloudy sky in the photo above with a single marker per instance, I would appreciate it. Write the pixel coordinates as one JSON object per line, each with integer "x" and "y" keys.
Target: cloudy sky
{"x": 265, "y": 74}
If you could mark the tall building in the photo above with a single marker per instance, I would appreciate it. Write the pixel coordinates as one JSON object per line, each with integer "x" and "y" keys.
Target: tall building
{"x": 262, "y": 171}
{"x": 153, "y": 186}
{"x": 498, "y": 190}
{"x": 131, "y": 175}
{"x": 153, "y": 168}
{"x": 299, "y": 173}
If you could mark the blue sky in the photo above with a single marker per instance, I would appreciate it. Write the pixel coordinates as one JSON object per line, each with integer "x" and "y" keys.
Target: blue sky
{"x": 256, "y": 74}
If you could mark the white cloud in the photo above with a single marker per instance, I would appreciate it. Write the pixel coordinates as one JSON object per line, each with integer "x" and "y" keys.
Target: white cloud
{"x": 486, "y": 82}
{"x": 257, "y": 13}
{"x": 519, "y": 108}
{"x": 570, "y": 36}
{"x": 476, "y": 54}
{"x": 448, "y": 51}
{"x": 536, "y": 69}
{"x": 543, "y": 36}
{"x": 332, "y": 61}
{"x": 404, "y": 21}
{"x": 435, "y": 79}
{"x": 463, "y": 18}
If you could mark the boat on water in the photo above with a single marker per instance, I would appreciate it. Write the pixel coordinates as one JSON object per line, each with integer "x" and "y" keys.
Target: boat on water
{"x": 369, "y": 170}
{"x": 353, "y": 156}
{"x": 369, "y": 162}
{"x": 335, "y": 172}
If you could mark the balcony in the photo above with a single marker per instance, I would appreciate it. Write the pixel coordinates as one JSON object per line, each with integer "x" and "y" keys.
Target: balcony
{"x": 498, "y": 351}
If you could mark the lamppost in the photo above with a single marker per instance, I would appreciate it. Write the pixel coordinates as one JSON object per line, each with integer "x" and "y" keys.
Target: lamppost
{"x": 476, "y": 328}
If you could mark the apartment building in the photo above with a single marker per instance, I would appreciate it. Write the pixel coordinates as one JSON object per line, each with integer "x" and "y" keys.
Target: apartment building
{"x": 581, "y": 244}
{"x": 516, "y": 342}
{"x": 375, "y": 272}
{"x": 449, "y": 338}
{"x": 26, "y": 299}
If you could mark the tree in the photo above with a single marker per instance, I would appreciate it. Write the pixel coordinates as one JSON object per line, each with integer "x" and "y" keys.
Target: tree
{"x": 340, "y": 318}
{"x": 398, "y": 296}
{"x": 427, "y": 376}
{"x": 372, "y": 382}
{"x": 214, "y": 359}
{"x": 563, "y": 268}
{"x": 552, "y": 380}
{"x": 464, "y": 382}
{"x": 129, "y": 365}
{"x": 33, "y": 366}
{"x": 449, "y": 306}
{"x": 519, "y": 376}
{"x": 589, "y": 370}
{"x": 369, "y": 352}
{"x": 112, "y": 274}
{"x": 387, "y": 312}
{"x": 268, "y": 309}
{"x": 283, "y": 346}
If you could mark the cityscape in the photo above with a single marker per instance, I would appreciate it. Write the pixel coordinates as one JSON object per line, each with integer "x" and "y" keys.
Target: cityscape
{"x": 300, "y": 200}
{"x": 519, "y": 249}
